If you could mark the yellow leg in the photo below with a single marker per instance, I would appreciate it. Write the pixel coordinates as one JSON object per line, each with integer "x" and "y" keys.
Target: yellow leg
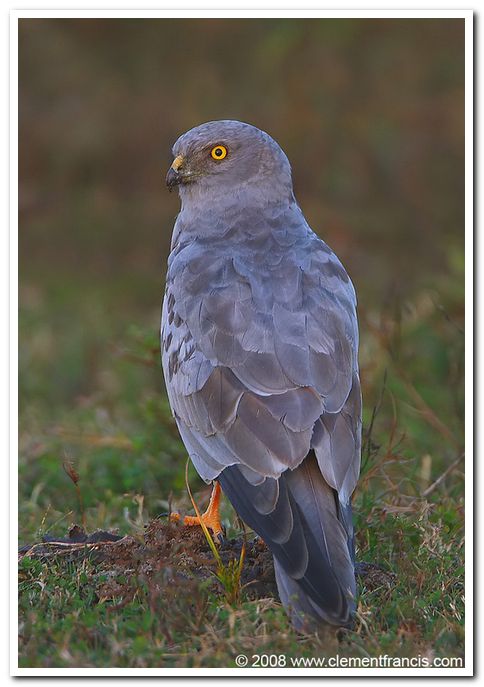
{"x": 211, "y": 517}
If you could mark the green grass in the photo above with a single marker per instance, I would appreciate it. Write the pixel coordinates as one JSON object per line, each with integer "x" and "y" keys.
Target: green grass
{"x": 120, "y": 437}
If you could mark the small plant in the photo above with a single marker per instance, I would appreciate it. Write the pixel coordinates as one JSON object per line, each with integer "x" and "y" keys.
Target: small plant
{"x": 228, "y": 574}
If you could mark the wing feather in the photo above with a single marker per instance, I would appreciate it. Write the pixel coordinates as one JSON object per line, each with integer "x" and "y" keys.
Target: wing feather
{"x": 264, "y": 358}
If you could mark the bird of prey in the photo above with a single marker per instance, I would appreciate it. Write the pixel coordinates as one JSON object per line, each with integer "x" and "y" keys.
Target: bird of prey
{"x": 259, "y": 349}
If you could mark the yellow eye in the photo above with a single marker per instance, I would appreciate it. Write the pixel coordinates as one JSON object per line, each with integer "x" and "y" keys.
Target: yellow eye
{"x": 219, "y": 152}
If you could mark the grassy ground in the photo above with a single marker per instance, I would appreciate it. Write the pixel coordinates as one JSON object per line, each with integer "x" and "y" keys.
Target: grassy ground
{"x": 125, "y": 447}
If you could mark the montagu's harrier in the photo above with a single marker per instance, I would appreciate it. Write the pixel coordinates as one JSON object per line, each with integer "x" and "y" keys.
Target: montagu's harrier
{"x": 259, "y": 346}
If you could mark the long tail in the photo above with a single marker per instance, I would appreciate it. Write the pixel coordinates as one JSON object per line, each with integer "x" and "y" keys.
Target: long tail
{"x": 310, "y": 535}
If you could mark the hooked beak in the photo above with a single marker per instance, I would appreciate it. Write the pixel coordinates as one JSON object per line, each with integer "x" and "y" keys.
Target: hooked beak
{"x": 174, "y": 178}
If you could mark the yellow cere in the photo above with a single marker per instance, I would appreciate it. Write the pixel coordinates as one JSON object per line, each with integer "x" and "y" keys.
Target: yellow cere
{"x": 219, "y": 152}
{"x": 177, "y": 163}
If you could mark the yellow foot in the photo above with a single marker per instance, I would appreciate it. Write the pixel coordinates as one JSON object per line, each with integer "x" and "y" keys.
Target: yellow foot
{"x": 211, "y": 517}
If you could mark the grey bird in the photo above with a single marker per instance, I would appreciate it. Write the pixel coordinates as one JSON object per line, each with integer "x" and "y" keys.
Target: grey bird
{"x": 259, "y": 350}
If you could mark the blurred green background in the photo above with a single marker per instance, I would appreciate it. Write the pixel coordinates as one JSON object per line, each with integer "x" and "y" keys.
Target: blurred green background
{"x": 370, "y": 113}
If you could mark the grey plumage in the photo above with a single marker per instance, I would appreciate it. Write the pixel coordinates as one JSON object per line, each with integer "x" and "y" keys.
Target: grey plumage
{"x": 259, "y": 350}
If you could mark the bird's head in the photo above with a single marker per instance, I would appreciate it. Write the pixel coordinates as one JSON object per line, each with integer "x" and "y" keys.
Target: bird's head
{"x": 224, "y": 157}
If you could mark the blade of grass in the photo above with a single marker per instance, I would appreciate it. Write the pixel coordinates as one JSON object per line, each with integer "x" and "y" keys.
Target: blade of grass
{"x": 205, "y": 530}
{"x": 229, "y": 575}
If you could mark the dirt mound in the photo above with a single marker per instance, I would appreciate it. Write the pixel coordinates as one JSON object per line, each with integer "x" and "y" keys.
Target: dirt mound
{"x": 171, "y": 556}
{"x": 167, "y": 553}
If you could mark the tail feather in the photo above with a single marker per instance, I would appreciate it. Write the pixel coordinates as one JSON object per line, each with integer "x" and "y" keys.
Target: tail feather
{"x": 309, "y": 538}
